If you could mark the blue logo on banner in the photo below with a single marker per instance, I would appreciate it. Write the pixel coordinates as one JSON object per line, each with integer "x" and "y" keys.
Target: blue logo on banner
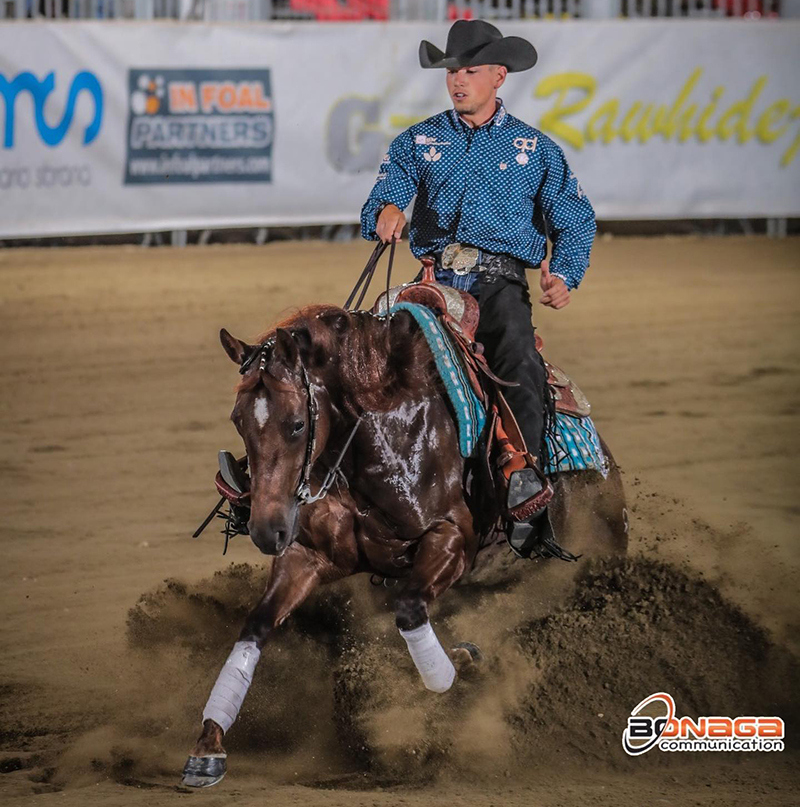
{"x": 39, "y": 91}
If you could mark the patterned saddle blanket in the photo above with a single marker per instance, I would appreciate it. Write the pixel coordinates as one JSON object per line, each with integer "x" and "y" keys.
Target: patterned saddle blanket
{"x": 575, "y": 444}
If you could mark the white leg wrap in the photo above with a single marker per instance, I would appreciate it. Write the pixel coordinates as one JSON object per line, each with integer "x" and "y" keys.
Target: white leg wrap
{"x": 232, "y": 684}
{"x": 436, "y": 669}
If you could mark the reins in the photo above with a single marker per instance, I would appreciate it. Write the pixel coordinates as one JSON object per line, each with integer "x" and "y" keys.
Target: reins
{"x": 303, "y": 492}
{"x": 368, "y": 273}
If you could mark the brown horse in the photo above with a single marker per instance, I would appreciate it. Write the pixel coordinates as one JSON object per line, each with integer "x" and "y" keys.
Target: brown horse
{"x": 322, "y": 378}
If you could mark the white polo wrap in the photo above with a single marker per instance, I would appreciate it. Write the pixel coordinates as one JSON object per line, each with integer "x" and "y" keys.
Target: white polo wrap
{"x": 232, "y": 684}
{"x": 436, "y": 669}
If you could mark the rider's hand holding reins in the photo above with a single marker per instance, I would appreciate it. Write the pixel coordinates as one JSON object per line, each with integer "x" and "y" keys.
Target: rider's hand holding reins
{"x": 556, "y": 293}
{"x": 390, "y": 223}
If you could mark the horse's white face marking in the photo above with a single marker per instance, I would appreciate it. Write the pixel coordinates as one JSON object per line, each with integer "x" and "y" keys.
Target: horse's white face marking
{"x": 260, "y": 411}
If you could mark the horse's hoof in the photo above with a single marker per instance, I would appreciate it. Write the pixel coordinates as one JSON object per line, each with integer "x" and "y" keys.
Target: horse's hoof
{"x": 204, "y": 771}
{"x": 466, "y": 655}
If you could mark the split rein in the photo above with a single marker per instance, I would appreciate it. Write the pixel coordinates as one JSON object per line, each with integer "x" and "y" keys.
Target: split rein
{"x": 303, "y": 493}
{"x": 234, "y": 523}
{"x": 368, "y": 273}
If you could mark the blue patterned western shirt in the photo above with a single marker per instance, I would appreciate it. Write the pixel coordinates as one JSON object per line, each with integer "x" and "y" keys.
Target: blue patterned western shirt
{"x": 503, "y": 187}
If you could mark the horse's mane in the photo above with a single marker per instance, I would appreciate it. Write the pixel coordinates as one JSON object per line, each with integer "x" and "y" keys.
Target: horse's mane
{"x": 378, "y": 367}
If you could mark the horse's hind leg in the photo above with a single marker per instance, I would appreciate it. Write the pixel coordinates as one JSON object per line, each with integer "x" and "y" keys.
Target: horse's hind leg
{"x": 294, "y": 576}
{"x": 439, "y": 561}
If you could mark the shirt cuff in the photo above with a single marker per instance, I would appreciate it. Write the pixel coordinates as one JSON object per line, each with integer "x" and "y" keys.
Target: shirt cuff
{"x": 369, "y": 219}
{"x": 567, "y": 281}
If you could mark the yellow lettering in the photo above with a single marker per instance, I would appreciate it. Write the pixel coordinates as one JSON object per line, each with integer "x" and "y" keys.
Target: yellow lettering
{"x": 647, "y": 126}
{"x": 659, "y": 122}
{"x": 682, "y": 119}
{"x": 552, "y": 120}
{"x": 608, "y": 110}
{"x": 704, "y": 134}
{"x": 667, "y": 127}
{"x": 404, "y": 121}
{"x": 792, "y": 150}
{"x": 772, "y": 114}
{"x": 685, "y": 123}
{"x": 625, "y": 130}
{"x": 742, "y": 110}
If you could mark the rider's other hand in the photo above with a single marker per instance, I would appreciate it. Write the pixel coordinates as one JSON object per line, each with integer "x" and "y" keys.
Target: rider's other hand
{"x": 556, "y": 293}
{"x": 390, "y": 223}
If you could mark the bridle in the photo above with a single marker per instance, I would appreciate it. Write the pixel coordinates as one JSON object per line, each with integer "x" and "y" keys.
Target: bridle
{"x": 302, "y": 492}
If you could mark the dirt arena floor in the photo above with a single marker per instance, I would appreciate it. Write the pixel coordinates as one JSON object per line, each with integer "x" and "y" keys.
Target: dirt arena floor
{"x": 115, "y": 398}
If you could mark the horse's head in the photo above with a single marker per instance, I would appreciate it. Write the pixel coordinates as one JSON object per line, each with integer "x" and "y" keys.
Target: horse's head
{"x": 326, "y": 366}
{"x": 284, "y": 420}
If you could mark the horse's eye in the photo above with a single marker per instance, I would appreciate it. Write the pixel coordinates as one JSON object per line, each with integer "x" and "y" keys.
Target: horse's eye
{"x": 297, "y": 427}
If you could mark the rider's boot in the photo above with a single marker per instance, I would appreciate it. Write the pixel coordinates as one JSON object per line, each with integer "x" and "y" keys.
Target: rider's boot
{"x": 527, "y": 489}
{"x": 525, "y": 506}
{"x": 530, "y": 532}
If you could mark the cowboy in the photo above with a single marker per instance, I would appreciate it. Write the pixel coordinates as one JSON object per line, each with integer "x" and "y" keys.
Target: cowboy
{"x": 489, "y": 190}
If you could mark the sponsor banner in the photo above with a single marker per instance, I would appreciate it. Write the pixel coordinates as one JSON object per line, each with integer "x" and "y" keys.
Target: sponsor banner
{"x": 110, "y": 127}
{"x": 199, "y": 126}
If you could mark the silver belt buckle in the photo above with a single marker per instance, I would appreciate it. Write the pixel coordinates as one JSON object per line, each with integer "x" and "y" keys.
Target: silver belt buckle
{"x": 459, "y": 258}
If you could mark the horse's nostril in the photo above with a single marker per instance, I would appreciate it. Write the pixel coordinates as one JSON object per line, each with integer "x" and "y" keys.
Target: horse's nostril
{"x": 279, "y": 536}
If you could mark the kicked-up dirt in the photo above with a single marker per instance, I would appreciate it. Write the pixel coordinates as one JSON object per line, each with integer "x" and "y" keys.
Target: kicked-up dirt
{"x": 115, "y": 399}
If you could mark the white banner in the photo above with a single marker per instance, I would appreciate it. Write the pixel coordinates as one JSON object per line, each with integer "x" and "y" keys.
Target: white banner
{"x": 124, "y": 127}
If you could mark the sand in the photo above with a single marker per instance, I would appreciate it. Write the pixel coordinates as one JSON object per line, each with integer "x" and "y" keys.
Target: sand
{"x": 115, "y": 398}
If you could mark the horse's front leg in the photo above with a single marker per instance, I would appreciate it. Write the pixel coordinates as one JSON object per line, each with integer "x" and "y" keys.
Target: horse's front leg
{"x": 294, "y": 576}
{"x": 439, "y": 562}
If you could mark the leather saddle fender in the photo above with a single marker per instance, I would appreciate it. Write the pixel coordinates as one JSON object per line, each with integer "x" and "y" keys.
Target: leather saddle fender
{"x": 566, "y": 393}
{"x": 459, "y": 312}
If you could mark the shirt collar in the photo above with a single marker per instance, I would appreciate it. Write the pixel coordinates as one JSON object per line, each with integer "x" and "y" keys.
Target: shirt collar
{"x": 501, "y": 113}
{"x": 495, "y": 121}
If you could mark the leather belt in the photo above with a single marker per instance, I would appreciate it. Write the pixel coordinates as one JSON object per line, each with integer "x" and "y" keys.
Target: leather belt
{"x": 462, "y": 259}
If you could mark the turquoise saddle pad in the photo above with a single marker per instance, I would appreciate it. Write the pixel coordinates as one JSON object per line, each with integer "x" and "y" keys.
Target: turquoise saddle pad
{"x": 575, "y": 445}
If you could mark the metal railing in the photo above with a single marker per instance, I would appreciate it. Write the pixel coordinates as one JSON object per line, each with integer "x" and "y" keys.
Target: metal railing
{"x": 587, "y": 9}
{"x": 751, "y": 9}
{"x": 486, "y": 9}
{"x": 407, "y": 10}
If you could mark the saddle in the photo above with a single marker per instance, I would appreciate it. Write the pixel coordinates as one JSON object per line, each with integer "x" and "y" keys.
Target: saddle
{"x": 505, "y": 450}
{"x": 566, "y": 393}
{"x": 459, "y": 311}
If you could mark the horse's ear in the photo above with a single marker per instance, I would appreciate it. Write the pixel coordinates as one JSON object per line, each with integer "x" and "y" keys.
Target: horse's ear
{"x": 302, "y": 338}
{"x": 235, "y": 348}
{"x": 286, "y": 354}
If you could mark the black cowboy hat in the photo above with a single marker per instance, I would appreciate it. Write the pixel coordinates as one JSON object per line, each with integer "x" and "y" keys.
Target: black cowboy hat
{"x": 474, "y": 42}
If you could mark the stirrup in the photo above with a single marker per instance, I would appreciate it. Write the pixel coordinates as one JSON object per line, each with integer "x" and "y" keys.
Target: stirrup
{"x": 529, "y": 493}
{"x": 232, "y": 472}
{"x": 233, "y": 486}
{"x": 536, "y": 539}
